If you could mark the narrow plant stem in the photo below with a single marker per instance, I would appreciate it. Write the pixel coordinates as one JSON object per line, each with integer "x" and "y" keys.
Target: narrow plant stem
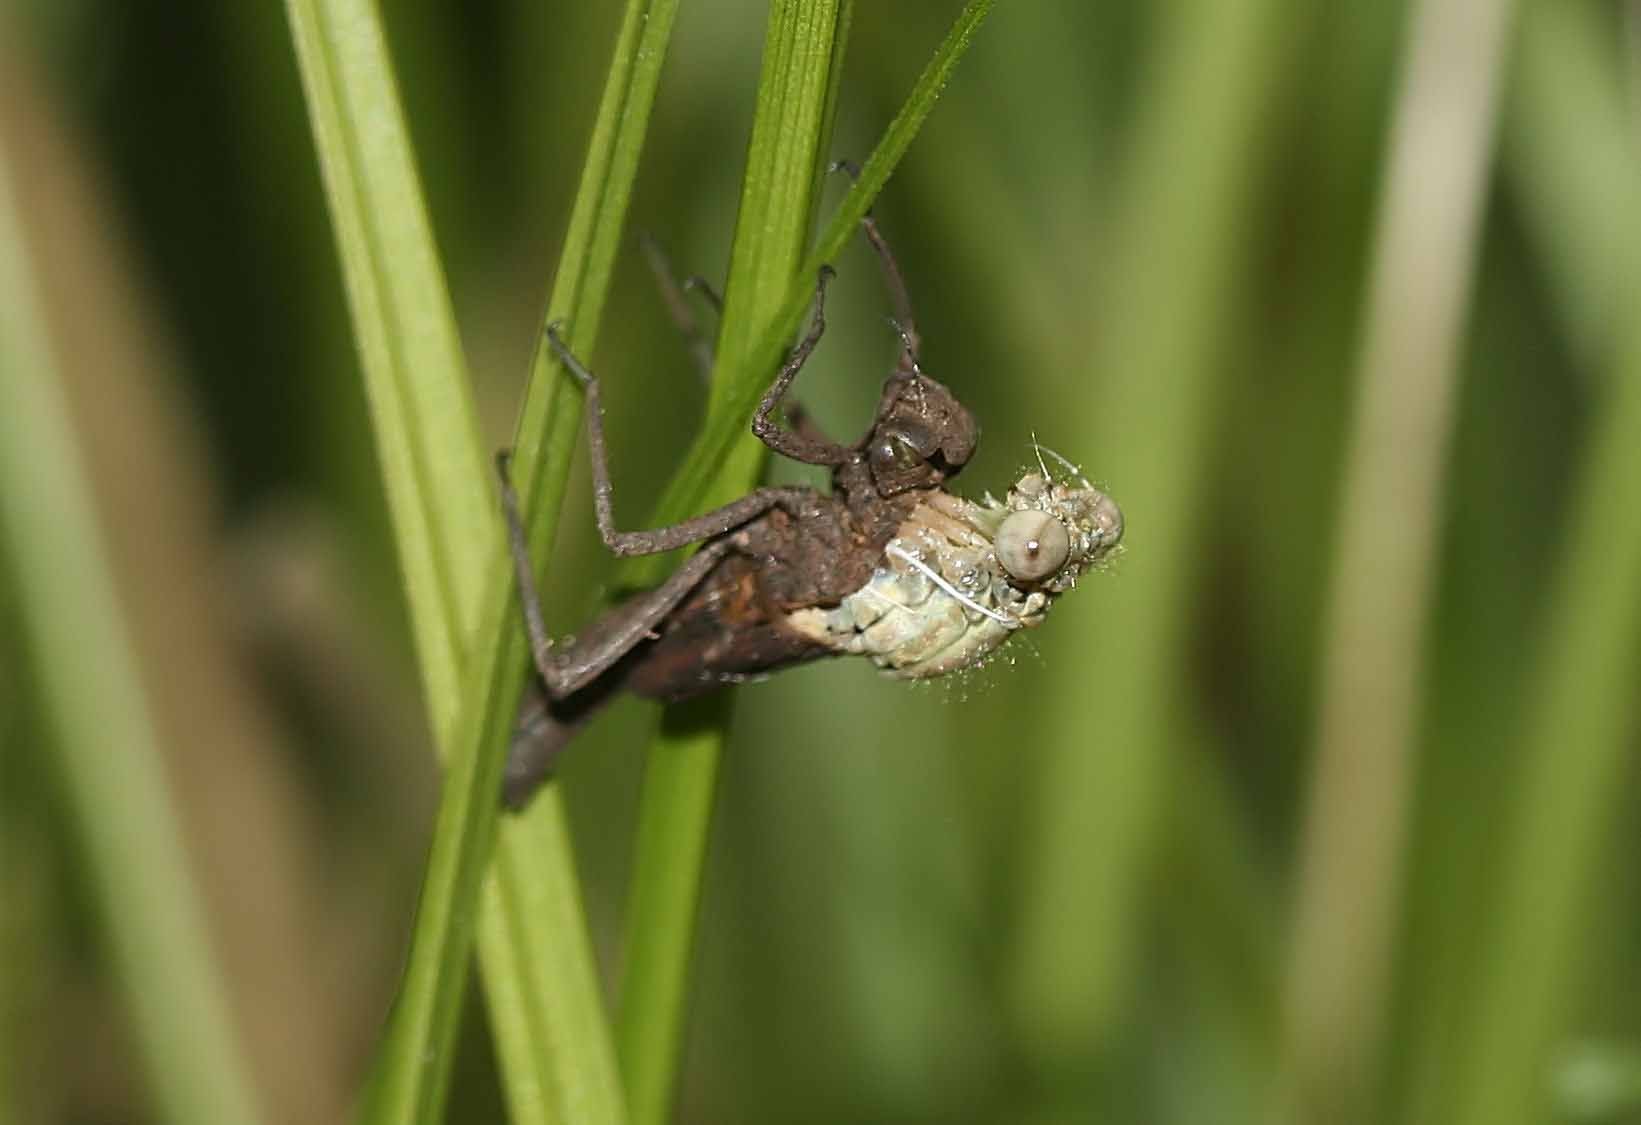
{"x": 1576, "y": 161}
{"x": 1570, "y": 150}
{"x": 569, "y": 1049}
{"x": 802, "y": 54}
{"x": 771, "y": 286}
{"x": 91, "y": 696}
{"x": 683, "y": 767}
{"x": 1168, "y": 295}
{"x": 557, "y": 1057}
{"x": 1350, "y": 885}
{"x": 433, "y": 467}
{"x": 727, "y": 422}
{"x": 558, "y": 999}
{"x": 1580, "y": 727}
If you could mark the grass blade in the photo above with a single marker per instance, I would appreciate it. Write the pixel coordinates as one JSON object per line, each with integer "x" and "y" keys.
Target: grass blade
{"x": 433, "y": 466}
{"x": 771, "y": 286}
{"x": 1568, "y": 109}
{"x": 542, "y": 985}
{"x": 112, "y": 770}
{"x": 737, "y": 389}
{"x": 560, "y": 998}
{"x": 1349, "y": 895}
{"x": 674, "y": 822}
{"x": 1570, "y": 152}
{"x": 802, "y": 52}
{"x": 433, "y": 472}
{"x": 1578, "y": 732}
{"x": 1171, "y": 287}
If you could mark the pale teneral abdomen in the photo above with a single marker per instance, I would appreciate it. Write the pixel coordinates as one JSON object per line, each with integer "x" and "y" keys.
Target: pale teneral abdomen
{"x": 938, "y": 602}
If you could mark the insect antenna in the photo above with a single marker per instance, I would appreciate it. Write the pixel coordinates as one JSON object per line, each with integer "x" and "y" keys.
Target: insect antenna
{"x": 1038, "y": 451}
{"x": 1074, "y": 469}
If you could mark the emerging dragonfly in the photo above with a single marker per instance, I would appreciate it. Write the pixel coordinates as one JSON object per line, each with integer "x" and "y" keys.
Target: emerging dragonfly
{"x": 888, "y": 565}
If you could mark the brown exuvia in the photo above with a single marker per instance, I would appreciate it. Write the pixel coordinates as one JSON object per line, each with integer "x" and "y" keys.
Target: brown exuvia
{"x": 888, "y": 564}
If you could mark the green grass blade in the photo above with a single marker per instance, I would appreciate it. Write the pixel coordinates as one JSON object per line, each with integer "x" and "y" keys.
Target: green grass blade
{"x": 433, "y": 472}
{"x": 1567, "y": 106}
{"x": 1570, "y": 151}
{"x": 564, "y": 1006}
{"x": 676, "y": 799}
{"x": 737, "y": 389}
{"x": 435, "y": 482}
{"x": 433, "y": 465}
{"x": 1579, "y": 729}
{"x": 1349, "y": 898}
{"x": 543, "y": 996}
{"x": 1170, "y": 287}
{"x": 771, "y": 286}
{"x": 674, "y": 822}
{"x": 795, "y": 95}
{"x": 111, "y": 767}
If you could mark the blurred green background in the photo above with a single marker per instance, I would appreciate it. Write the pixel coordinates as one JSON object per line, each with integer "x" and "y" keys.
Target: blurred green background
{"x": 1278, "y": 819}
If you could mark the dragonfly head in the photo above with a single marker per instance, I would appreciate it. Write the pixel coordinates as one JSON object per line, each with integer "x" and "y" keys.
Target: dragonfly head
{"x": 1053, "y": 530}
{"x": 922, "y": 435}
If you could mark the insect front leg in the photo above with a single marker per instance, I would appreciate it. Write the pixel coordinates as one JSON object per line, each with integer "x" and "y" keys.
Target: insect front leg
{"x": 810, "y": 446}
{"x": 905, "y": 322}
{"x": 660, "y": 539}
{"x": 806, "y": 444}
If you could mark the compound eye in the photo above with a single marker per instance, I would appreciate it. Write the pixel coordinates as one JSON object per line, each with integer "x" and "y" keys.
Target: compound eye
{"x": 894, "y": 452}
{"x": 899, "y": 452}
{"x": 1032, "y": 545}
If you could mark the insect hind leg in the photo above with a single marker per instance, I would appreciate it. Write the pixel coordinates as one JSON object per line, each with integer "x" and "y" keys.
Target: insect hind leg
{"x": 568, "y": 668}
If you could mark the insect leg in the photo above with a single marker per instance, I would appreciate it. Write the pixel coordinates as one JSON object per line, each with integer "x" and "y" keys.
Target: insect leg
{"x": 673, "y": 294}
{"x": 897, "y": 287}
{"x": 695, "y": 283}
{"x": 539, "y": 737}
{"x": 566, "y": 669}
{"x": 673, "y": 536}
{"x": 799, "y": 446}
{"x": 892, "y": 275}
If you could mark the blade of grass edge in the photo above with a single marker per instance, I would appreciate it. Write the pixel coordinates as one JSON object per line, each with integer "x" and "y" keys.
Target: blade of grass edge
{"x": 1570, "y": 152}
{"x": 394, "y": 280}
{"x": 544, "y": 912}
{"x": 797, "y": 86}
{"x": 111, "y": 766}
{"x": 728, "y": 422}
{"x": 1567, "y": 108}
{"x": 1349, "y": 897}
{"x": 1171, "y": 286}
{"x": 680, "y": 779}
{"x": 422, "y": 412}
{"x": 1578, "y": 729}
{"x": 557, "y": 1060}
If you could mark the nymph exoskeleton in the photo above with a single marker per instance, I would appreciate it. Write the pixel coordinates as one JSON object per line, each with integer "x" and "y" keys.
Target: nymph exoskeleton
{"x": 888, "y": 565}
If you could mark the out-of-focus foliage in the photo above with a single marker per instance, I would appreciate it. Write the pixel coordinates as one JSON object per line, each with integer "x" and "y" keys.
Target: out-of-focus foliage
{"x": 1061, "y": 889}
